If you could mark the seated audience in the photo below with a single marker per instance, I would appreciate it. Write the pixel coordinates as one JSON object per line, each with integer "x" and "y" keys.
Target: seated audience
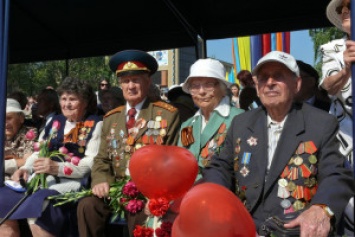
{"x": 78, "y": 130}
{"x": 310, "y": 92}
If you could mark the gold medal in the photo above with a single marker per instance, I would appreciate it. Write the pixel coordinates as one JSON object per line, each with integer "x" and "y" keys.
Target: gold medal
{"x": 298, "y": 161}
{"x": 291, "y": 186}
{"x": 205, "y": 162}
{"x": 310, "y": 182}
{"x": 81, "y": 149}
{"x": 312, "y": 159}
{"x": 298, "y": 205}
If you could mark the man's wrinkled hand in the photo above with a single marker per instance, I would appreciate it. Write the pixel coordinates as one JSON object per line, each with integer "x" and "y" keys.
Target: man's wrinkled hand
{"x": 101, "y": 190}
{"x": 312, "y": 222}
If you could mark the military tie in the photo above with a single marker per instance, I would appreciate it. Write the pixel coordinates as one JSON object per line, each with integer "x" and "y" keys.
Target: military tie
{"x": 131, "y": 118}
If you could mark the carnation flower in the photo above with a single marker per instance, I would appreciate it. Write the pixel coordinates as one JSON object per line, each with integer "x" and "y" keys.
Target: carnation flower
{"x": 36, "y": 146}
{"x": 134, "y": 206}
{"x": 63, "y": 150}
{"x": 120, "y": 200}
{"x": 67, "y": 170}
{"x": 159, "y": 206}
{"x": 141, "y": 231}
{"x": 30, "y": 135}
{"x": 75, "y": 160}
{"x": 55, "y": 126}
{"x": 130, "y": 189}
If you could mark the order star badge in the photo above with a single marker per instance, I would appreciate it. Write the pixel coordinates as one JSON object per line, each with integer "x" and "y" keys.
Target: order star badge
{"x": 252, "y": 141}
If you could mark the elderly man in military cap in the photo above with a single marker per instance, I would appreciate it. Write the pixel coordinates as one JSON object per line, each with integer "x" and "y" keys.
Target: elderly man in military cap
{"x": 130, "y": 127}
{"x": 284, "y": 156}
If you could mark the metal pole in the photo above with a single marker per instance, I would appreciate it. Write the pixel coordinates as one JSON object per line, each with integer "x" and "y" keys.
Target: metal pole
{"x": 352, "y": 18}
{"x": 4, "y": 34}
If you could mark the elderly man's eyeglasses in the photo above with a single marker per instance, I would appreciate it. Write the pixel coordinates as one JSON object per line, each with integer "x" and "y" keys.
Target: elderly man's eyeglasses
{"x": 209, "y": 86}
{"x": 339, "y": 9}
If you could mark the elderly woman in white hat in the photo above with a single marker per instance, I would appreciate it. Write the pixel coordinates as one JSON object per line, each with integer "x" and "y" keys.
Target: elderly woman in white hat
{"x": 204, "y": 133}
{"x": 336, "y": 70}
{"x": 19, "y": 138}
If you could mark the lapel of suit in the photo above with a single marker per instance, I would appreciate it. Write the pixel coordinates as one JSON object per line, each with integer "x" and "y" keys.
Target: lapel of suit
{"x": 196, "y": 124}
{"x": 146, "y": 113}
{"x": 258, "y": 159}
{"x": 286, "y": 147}
{"x": 121, "y": 129}
{"x": 212, "y": 126}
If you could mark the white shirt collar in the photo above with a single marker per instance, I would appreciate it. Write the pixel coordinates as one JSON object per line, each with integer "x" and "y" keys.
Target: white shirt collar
{"x": 281, "y": 124}
{"x": 138, "y": 107}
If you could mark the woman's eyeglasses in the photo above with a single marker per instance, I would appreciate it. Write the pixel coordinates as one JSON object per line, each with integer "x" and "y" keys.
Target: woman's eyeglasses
{"x": 339, "y": 9}
{"x": 194, "y": 88}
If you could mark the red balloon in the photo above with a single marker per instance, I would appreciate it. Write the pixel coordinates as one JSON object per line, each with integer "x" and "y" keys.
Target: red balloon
{"x": 211, "y": 210}
{"x": 163, "y": 171}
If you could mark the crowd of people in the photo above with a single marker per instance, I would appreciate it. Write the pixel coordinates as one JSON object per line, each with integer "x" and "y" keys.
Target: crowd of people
{"x": 280, "y": 139}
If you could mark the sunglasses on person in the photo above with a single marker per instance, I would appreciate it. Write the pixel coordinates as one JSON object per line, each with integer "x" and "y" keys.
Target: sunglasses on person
{"x": 339, "y": 9}
{"x": 104, "y": 84}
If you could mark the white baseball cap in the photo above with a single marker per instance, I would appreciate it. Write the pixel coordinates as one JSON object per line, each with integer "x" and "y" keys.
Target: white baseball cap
{"x": 206, "y": 68}
{"x": 280, "y": 57}
{"x": 13, "y": 105}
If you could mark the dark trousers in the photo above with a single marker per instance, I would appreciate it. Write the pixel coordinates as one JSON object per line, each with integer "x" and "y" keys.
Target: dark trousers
{"x": 93, "y": 217}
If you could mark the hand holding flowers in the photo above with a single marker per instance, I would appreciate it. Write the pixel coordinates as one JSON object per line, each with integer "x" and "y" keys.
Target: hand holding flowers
{"x": 123, "y": 196}
{"x": 45, "y": 165}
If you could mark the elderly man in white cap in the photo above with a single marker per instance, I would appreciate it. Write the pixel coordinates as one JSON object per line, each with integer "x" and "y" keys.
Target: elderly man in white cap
{"x": 19, "y": 138}
{"x": 284, "y": 157}
{"x": 204, "y": 133}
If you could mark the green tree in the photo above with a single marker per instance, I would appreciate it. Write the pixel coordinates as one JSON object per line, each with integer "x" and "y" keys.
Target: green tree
{"x": 319, "y": 37}
{"x": 31, "y": 78}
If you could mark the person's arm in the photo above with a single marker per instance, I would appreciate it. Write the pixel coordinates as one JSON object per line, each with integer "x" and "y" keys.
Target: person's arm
{"x": 101, "y": 171}
{"x": 335, "y": 82}
{"x": 337, "y": 71}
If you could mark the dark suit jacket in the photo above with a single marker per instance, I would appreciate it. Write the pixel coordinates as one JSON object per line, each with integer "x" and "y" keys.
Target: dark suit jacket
{"x": 304, "y": 123}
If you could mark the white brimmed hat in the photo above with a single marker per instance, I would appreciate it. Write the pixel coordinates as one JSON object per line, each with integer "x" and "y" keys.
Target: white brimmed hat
{"x": 13, "y": 105}
{"x": 280, "y": 57}
{"x": 333, "y": 16}
{"x": 206, "y": 68}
